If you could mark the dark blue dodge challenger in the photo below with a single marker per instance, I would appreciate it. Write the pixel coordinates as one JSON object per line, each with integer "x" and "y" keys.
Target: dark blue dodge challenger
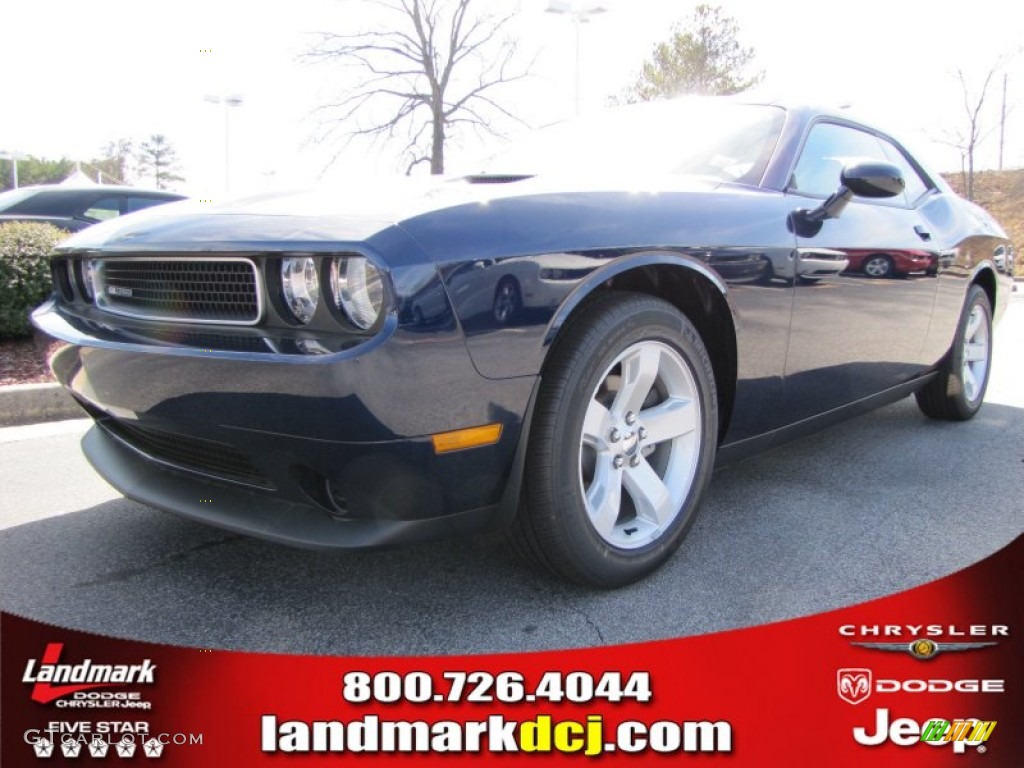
{"x": 563, "y": 344}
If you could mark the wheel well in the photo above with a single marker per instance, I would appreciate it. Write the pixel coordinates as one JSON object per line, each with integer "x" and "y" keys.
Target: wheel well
{"x": 705, "y": 306}
{"x": 987, "y": 280}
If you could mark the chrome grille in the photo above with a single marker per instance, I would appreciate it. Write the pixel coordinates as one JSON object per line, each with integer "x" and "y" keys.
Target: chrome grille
{"x": 196, "y": 290}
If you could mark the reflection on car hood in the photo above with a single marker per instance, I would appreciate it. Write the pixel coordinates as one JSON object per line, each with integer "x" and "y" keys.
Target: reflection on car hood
{"x": 354, "y": 211}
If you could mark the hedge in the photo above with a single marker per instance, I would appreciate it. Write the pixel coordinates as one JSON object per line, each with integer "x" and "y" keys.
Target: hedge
{"x": 24, "y": 273}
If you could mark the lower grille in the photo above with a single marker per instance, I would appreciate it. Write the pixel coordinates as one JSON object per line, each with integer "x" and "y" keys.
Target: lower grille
{"x": 214, "y": 459}
{"x": 201, "y": 290}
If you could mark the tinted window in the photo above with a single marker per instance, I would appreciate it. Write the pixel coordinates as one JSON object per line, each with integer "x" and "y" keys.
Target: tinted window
{"x": 48, "y": 202}
{"x": 104, "y": 208}
{"x": 139, "y": 203}
{"x": 12, "y": 197}
{"x": 828, "y": 148}
{"x": 916, "y": 186}
{"x": 689, "y": 136}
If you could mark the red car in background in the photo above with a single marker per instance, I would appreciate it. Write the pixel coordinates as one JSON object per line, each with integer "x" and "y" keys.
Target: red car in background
{"x": 891, "y": 263}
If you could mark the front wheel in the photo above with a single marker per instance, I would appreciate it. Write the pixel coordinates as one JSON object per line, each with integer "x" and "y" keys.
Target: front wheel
{"x": 622, "y": 444}
{"x": 955, "y": 394}
{"x": 878, "y": 265}
{"x": 507, "y": 300}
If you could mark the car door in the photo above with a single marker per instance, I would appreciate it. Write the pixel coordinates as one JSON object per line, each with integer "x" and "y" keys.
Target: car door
{"x": 865, "y": 281}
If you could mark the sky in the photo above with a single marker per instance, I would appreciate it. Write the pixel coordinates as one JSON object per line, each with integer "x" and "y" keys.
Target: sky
{"x": 78, "y": 75}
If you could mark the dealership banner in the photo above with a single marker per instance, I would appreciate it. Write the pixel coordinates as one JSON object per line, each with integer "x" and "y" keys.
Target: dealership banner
{"x": 928, "y": 677}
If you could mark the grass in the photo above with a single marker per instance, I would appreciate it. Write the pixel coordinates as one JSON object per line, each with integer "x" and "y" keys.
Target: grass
{"x": 1001, "y": 193}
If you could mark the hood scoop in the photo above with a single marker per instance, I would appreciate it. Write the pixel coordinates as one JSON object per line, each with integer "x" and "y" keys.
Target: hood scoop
{"x": 504, "y": 178}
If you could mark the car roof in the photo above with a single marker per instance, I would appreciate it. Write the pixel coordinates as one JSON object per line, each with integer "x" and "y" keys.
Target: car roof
{"x": 54, "y": 200}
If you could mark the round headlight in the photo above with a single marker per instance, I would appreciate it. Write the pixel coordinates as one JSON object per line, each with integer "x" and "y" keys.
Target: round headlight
{"x": 358, "y": 289}
{"x": 301, "y": 287}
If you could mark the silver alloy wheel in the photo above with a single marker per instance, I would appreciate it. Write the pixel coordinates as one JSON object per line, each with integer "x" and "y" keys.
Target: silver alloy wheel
{"x": 642, "y": 434}
{"x": 977, "y": 336}
{"x": 877, "y": 266}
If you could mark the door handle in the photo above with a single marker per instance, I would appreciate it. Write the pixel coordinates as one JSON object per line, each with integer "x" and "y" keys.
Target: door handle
{"x": 923, "y": 233}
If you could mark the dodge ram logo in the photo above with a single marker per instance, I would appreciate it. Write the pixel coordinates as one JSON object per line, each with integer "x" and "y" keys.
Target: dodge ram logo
{"x": 853, "y": 685}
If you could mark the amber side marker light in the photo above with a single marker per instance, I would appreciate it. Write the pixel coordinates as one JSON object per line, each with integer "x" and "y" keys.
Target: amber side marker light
{"x": 460, "y": 439}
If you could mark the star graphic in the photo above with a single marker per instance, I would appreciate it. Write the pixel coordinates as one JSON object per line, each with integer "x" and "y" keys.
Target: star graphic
{"x": 98, "y": 747}
{"x": 71, "y": 748}
{"x": 43, "y": 748}
{"x": 154, "y": 748}
{"x": 125, "y": 748}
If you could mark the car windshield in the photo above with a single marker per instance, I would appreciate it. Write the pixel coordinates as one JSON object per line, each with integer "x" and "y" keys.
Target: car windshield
{"x": 696, "y": 137}
{"x": 13, "y": 197}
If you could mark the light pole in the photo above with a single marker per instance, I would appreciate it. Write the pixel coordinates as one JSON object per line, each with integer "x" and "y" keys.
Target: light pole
{"x": 14, "y": 157}
{"x": 580, "y": 12}
{"x": 233, "y": 100}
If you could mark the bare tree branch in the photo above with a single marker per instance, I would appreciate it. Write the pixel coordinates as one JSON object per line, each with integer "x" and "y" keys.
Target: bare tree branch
{"x": 419, "y": 80}
{"x": 967, "y": 139}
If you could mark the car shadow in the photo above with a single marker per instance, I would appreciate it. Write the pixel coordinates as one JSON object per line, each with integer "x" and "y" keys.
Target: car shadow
{"x": 873, "y": 506}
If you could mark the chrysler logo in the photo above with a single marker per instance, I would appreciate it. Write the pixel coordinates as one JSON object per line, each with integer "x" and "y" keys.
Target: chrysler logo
{"x": 853, "y": 685}
{"x": 923, "y": 648}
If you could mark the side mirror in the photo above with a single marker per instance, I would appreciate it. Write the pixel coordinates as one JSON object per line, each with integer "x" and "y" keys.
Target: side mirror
{"x": 869, "y": 179}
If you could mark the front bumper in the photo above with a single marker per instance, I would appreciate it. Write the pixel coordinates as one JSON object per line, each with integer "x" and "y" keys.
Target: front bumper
{"x": 267, "y": 516}
{"x": 322, "y": 451}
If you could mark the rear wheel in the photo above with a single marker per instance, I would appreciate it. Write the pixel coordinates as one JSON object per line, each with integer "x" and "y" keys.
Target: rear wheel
{"x": 878, "y": 265}
{"x": 622, "y": 443}
{"x": 958, "y": 390}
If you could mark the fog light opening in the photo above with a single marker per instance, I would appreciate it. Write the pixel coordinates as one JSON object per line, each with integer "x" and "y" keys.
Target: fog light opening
{"x": 338, "y": 500}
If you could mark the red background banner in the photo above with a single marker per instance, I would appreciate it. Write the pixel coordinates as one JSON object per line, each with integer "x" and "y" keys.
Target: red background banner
{"x": 776, "y": 685}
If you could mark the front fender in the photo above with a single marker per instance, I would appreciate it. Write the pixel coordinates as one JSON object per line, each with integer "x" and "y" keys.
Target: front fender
{"x": 624, "y": 264}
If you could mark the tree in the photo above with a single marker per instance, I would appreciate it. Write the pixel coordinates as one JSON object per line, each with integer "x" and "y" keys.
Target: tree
{"x": 157, "y": 157}
{"x": 704, "y": 57}
{"x": 35, "y": 170}
{"x": 430, "y": 69}
{"x": 115, "y": 160}
{"x": 968, "y": 136}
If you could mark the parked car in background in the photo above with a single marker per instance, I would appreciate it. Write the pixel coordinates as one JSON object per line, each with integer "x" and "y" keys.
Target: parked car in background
{"x": 1004, "y": 259}
{"x": 893, "y": 263}
{"x": 75, "y": 208}
{"x": 565, "y": 342}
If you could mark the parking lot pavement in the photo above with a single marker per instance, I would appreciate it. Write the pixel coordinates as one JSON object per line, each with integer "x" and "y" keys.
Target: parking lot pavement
{"x": 876, "y": 505}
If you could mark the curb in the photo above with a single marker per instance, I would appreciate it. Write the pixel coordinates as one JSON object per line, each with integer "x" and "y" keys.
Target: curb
{"x": 34, "y": 403}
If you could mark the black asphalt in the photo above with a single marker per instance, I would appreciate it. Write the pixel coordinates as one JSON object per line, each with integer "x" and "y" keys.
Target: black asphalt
{"x": 879, "y": 504}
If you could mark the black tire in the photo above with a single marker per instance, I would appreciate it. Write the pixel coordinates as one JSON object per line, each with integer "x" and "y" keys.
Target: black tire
{"x": 553, "y": 527}
{"x": 882, "y": 263}
{"x": 946, "y": 396}
{"x": 765, "y": 278}
{"x": 507, "y": 300}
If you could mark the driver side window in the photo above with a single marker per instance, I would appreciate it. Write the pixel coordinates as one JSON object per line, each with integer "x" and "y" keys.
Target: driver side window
{"x": 828, "y": 148}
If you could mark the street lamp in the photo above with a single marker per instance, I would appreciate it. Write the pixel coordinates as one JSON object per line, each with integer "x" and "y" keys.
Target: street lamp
{"x": 580, "y": 13}
{"x": 14, "y": 157}
{"x": 233, "y": 100}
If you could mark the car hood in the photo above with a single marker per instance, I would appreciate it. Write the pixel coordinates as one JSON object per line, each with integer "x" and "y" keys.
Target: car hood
{"x": 355, "y": 211}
